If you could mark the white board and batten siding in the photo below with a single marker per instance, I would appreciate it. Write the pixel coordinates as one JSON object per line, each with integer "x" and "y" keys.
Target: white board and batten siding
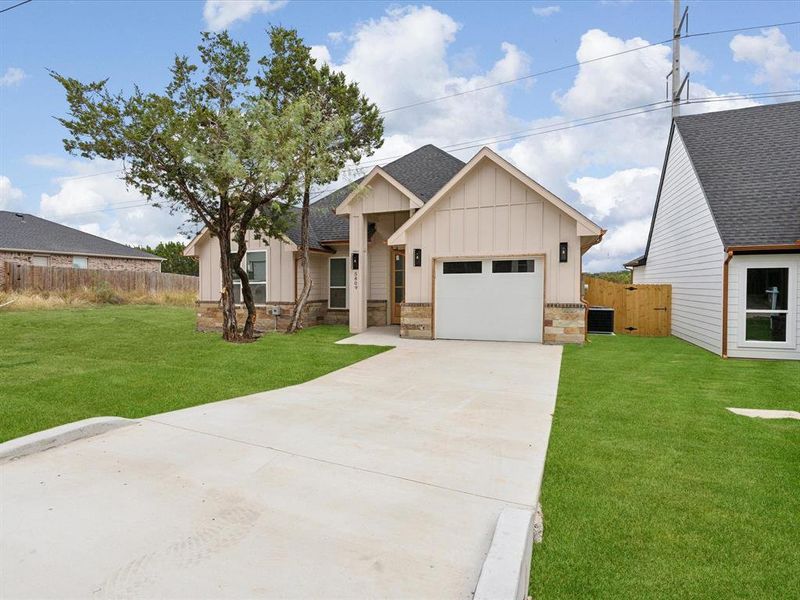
{"x": 280, "y": 268}
{"x": 686, "y": 252}
{"x": 737, "y": 273}
{"x": 492, "y": 213}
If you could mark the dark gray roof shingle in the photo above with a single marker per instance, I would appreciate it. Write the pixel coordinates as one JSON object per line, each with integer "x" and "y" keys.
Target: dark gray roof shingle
{"x": 748, "y": 162}
{"x": 21, "y": 231}
{"x": 423, "y": 172}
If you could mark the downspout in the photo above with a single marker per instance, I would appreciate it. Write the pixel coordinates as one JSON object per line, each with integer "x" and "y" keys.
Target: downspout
{"x": 725, "y": 303}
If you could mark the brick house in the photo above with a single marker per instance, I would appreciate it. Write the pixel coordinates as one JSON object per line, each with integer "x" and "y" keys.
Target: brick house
{"x": 29, "y": 239}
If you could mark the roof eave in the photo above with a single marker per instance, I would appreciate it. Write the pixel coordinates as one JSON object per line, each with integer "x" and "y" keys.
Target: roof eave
{"x": 80, "y": 253}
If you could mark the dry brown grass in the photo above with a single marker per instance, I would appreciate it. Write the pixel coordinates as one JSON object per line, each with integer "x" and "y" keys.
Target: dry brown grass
{"x": 97, "y": 296}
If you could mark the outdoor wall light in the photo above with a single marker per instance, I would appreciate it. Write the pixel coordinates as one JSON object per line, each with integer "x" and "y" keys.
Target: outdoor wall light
{"x": 355, "y": 261}
{"x": 417, "y": 257}
{"x": 563, "y": 252}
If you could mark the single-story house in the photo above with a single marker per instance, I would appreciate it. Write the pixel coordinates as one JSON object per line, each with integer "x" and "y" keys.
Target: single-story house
{"x": 32, "y": 240}
{"x": 442, "y": 248}
{"x": 725, "y": 231}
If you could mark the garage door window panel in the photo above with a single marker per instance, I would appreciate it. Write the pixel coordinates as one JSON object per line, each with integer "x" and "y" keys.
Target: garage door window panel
{"x": 513, "y": 266}
{"x": 462, "y": 267}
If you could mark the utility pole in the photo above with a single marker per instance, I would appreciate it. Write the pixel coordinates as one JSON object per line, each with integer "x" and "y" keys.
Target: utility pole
{"x": 677, "y": 85}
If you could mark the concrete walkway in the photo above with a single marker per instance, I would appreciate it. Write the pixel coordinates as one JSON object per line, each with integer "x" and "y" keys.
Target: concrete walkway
{"x": 384, "y": 479}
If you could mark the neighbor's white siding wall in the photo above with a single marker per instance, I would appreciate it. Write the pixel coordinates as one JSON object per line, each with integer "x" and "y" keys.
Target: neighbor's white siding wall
{"x": 280, "y": 268}
{"x": 737, "y": 347}
{"x": 491, "y": 212}
{"x": 686, "y": 252}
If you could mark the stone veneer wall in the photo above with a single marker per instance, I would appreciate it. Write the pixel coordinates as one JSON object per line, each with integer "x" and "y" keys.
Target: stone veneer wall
{"x": 564, "y": 323}
{"x": 93, "y": 262}
{"x": 416, "y": 320}
{"x": 209, "y": 315}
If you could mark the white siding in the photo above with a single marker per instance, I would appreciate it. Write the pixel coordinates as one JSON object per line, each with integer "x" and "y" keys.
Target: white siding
{"x": 737, "y": 347}
{"x": 280, "y": 268}
{"x": 686, "y": 252}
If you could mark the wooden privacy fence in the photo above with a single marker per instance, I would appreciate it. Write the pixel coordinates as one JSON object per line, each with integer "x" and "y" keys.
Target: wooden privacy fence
{"x": 24, "y": 277}
{"x": 644, "y": 310}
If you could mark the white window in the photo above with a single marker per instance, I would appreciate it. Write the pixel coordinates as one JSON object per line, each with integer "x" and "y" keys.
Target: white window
{"x": 38, "y": 260}
{"x": 256, "y": 267}
{"x": 767, "y": 319}
{"x": 80, "y": 262}
{"x": 337, "y": 283}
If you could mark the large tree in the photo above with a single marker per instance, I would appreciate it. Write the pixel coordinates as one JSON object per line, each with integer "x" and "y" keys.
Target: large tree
{"x": 211, "y": 146}
{"x": 290, "y": 73}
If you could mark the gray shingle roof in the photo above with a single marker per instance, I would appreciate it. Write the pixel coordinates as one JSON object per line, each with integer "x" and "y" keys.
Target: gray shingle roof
{"x": 423, "y": 171}
{"x": 748, "y": 162}
{"x": 21, "y": 231}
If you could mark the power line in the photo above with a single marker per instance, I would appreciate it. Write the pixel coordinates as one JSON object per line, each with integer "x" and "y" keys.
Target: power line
{"x": 576, "y": 64}
{"x": 508, "y": 137}
{"x": 8, "y": 8}
{"x": 495, "y": 139}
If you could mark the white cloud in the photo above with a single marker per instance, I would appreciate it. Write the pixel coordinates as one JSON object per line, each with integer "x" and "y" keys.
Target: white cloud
{"x": 8, "y": 193}
{"x": 545, "y": 11}
{"x": 402, "y": 58}
{"x": 777, "y": 63}
{"x": 12, "y": 76}
{"x": 321, "y": 53}
{"x": 607, "y": 170}
{"x": 630, "y": 190}
{"x": 621, "y": 243}
{"x": 220, "y": 14}
{"x": 336, "y": 36}
{"x": 92, "y": 199}
{"x": 692, "y": 61}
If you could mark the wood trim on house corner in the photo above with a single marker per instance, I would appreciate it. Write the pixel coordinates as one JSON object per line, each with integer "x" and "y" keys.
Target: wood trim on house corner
{"x": 725, "y": 304}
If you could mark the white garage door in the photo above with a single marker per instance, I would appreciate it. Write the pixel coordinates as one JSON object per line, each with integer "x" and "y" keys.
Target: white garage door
{"x": 489, "y": 299}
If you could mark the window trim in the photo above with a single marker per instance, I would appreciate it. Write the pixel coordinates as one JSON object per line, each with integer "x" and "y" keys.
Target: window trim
{"x": 265, "y": 283}
{"x": 85, "y": 258}
{"x": 339, "y": 287}
{"x": 46, "y": 260}
{"x": 791, "y": 307}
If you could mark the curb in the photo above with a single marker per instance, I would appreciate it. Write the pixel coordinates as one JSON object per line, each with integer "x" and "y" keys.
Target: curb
{"x": 59, "y": 436}
{"x": 507, "y": 568}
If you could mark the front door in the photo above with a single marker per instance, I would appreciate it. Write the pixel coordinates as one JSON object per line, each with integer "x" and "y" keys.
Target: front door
{"x": 398, "y": 283}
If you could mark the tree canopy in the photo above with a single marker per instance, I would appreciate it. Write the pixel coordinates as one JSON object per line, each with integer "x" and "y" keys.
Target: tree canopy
{"x": 222, "y": 147}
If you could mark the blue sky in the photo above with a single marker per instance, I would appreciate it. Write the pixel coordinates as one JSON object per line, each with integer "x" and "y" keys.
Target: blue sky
{"x": 401, "y": 53}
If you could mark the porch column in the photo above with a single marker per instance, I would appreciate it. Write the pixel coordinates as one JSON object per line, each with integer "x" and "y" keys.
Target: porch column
{"x": 359, "y": 281}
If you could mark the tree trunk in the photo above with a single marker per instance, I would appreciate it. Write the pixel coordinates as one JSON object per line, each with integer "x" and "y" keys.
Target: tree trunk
{"x": 297, "y": 316}
{"x": 249, "y": 329}
{"x": 229, "y": 325}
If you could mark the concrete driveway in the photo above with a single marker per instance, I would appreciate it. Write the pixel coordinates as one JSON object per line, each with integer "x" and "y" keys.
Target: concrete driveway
{"x": 384, "y": 479}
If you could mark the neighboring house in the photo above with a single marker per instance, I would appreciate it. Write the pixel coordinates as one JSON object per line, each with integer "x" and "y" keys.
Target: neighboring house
{"x": 725, "y": 231}
{"x": 442, "y": 248}
{"x": 28, "y": 239}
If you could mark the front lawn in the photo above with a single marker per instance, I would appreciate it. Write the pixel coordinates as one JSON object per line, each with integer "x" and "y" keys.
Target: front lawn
{"x": 653, "y": 490}
{"x": 131, "y": 361}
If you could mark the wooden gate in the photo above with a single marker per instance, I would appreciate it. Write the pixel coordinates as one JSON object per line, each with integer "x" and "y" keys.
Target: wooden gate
{"x": 644, "y": 310}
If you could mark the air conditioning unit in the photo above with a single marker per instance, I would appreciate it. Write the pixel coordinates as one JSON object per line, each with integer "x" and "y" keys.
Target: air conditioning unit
{"x": 601, "y": 319}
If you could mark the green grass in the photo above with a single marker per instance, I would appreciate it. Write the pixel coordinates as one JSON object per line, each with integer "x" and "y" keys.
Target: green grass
{"x": 131, "y": 361}
{"x": 653, "y": 490}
